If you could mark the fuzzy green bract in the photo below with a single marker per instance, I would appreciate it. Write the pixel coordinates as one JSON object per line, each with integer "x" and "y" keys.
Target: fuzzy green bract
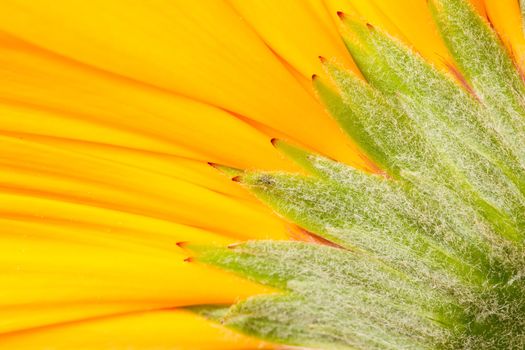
{"x": 428, "y": 253}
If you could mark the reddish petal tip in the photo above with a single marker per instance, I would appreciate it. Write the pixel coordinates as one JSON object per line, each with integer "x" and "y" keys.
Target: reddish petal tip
{"x": 212, "y": 164}
{"x": 274, "y": 141}
{"x": 369, "y": 26}
{"x": 314, "y": 76}
{"x": 322, "y": 59}
{"x": 189, "y": 259}
{"x": 340, "y": 14}
{"x": 237, "y": 178}
{"x": 181, "y": 244}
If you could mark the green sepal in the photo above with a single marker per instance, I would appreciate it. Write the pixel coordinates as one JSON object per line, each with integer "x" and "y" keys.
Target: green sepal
{"x": 487, "y": 66}
{"x": 365, "y": 212}
{"x": 227, "y": 170}
{"x": 211, "y": 312}
{"x": 384, "y": 132}
{"x": 460, "y": 151}
{"x": 300, "y": 156}
{"x": 332, "y": 289}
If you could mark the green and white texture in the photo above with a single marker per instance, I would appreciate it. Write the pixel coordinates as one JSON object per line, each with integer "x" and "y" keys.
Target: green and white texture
{"x": 428, "y": 254}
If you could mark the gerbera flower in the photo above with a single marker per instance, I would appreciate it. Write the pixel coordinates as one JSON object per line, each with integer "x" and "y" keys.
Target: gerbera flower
{"x": 378, "y": 204}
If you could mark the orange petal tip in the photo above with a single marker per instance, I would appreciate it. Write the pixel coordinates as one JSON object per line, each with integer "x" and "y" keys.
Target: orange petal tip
{"x": 237, "y": 178}
{"x": 182, "y": 244}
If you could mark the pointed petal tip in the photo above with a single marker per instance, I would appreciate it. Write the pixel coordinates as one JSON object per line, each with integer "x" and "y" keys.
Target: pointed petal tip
{"x": 237, "y": 178}
{"x": 370, "y": 26}
{"x": 274, "y": 141}
{"x": 314, "y": 76}
{"x": 340, "y": 14}
{"x": 322, "y": 59}
{"x": 182, "y": 244}
{"x": 226, "y": 170}
{"x": 189, "y": 259}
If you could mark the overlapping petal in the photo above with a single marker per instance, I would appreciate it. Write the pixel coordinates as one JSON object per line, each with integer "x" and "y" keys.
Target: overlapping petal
{"x": 203, "y": 50}
{"x": 142, "y": 330}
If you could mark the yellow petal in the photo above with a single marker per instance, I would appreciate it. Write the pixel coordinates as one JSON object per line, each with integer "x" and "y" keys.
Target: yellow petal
{"x": 72, "y": 133}
{"x": 168, "y": 44}
{"x": 479, "y": 5}
{"x": 128, "y": 233}
{"x": 44, "y": 271}
{"x": 295, "y": 32}
{"x": 414, "y": 21}
{"x": 174, "y": 329}
{"x": 408, "y": 20}
{"x": 505, "y": 16}
{"x": 66, "y": 178}
{"x": 366, "y": 10}
{"x": 23, "y": 317}
{"x": 72, "y": 101}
